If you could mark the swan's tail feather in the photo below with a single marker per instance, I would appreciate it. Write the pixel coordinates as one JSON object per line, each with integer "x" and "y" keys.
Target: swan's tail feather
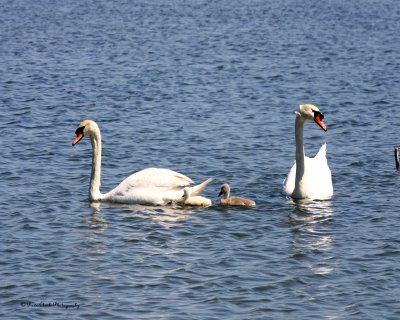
{"x": 322, "y": 151}
{"x": 197, "y": 190}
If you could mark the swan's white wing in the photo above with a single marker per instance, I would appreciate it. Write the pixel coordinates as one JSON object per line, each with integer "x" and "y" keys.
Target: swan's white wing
{"x": 319, "y": 176}
{"x": 153, "y": 186}
{"x": 288, "y": 183}
{"x": 144, "y": 195}
{"x": 321, "y": 155}
{"x": 157, "y": 177}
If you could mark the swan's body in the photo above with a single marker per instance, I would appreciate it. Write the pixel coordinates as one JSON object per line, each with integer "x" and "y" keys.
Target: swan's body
{"x": 226, "y": 200}
{"x": 149, "y": 186}
{"x": 309, "y": 177}
{"x": 190, "y": 200}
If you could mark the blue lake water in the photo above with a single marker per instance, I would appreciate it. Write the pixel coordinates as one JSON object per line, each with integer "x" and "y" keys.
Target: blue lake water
{"x": 206, "y": 88}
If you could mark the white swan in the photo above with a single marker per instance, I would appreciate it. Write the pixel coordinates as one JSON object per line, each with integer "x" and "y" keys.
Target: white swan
{"x": 226, "y": 200}
{"x": 309, "y": 177}
{"x": 149, "y": 186}
{"x": 190, "y": 200}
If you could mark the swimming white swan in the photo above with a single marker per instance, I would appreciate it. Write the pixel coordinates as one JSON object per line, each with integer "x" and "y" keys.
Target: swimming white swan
{"x": 149, "y": 186}
{"x": 190, "y": 200}
{"x": 226, "y": 200}
{"x": 309, "y": 177}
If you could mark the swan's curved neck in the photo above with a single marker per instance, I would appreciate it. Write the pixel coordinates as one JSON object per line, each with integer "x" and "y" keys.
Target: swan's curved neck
{"x": 300, "y": 168}
{"x": 94, "y": 191}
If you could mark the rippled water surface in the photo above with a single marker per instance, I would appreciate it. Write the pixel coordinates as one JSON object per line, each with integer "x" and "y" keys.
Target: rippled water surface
{"x": 206, "y": 88}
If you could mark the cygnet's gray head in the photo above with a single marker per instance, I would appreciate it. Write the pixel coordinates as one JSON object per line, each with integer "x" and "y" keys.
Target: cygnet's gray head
{"x": 225, "y": 190}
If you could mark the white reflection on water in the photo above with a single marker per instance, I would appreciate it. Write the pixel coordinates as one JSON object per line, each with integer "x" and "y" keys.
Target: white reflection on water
{"x": 311, "y": 210}
{"x": 97, "y": 221}
{"x": 310, "y": 226}
{"x": 167, "y": 216}
{"x": 98, "y": 244}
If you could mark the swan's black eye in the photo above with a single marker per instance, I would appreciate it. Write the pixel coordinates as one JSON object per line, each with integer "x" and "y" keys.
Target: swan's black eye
{"x": 79, "y": 131}
{"x": 318, "y": 114}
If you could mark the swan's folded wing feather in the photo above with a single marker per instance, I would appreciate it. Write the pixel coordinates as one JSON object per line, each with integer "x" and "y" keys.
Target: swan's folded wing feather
{"x": 153, "y": 186}
{"x": 319, "y": 176}
{"x": 144, "y": 195}
{"x": 322, "y": 152}
{"x": 157, "y": 177}
{"x": 288, "y": 183}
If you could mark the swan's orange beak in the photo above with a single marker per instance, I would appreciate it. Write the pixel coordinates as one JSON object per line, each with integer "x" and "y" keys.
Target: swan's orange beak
{"x": 77, "y": 139}
{"x": 318, "y": 118}
{"x": 79, "y": 135}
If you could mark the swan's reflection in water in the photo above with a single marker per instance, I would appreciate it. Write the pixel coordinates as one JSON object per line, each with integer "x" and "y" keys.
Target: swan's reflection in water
{"x": 96, "y": 247}
{"x": 167, "y": 216}
{"x": 312, "y": 235}
{"x": 101, "y": 233}
{"x": 97, "y": 222}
